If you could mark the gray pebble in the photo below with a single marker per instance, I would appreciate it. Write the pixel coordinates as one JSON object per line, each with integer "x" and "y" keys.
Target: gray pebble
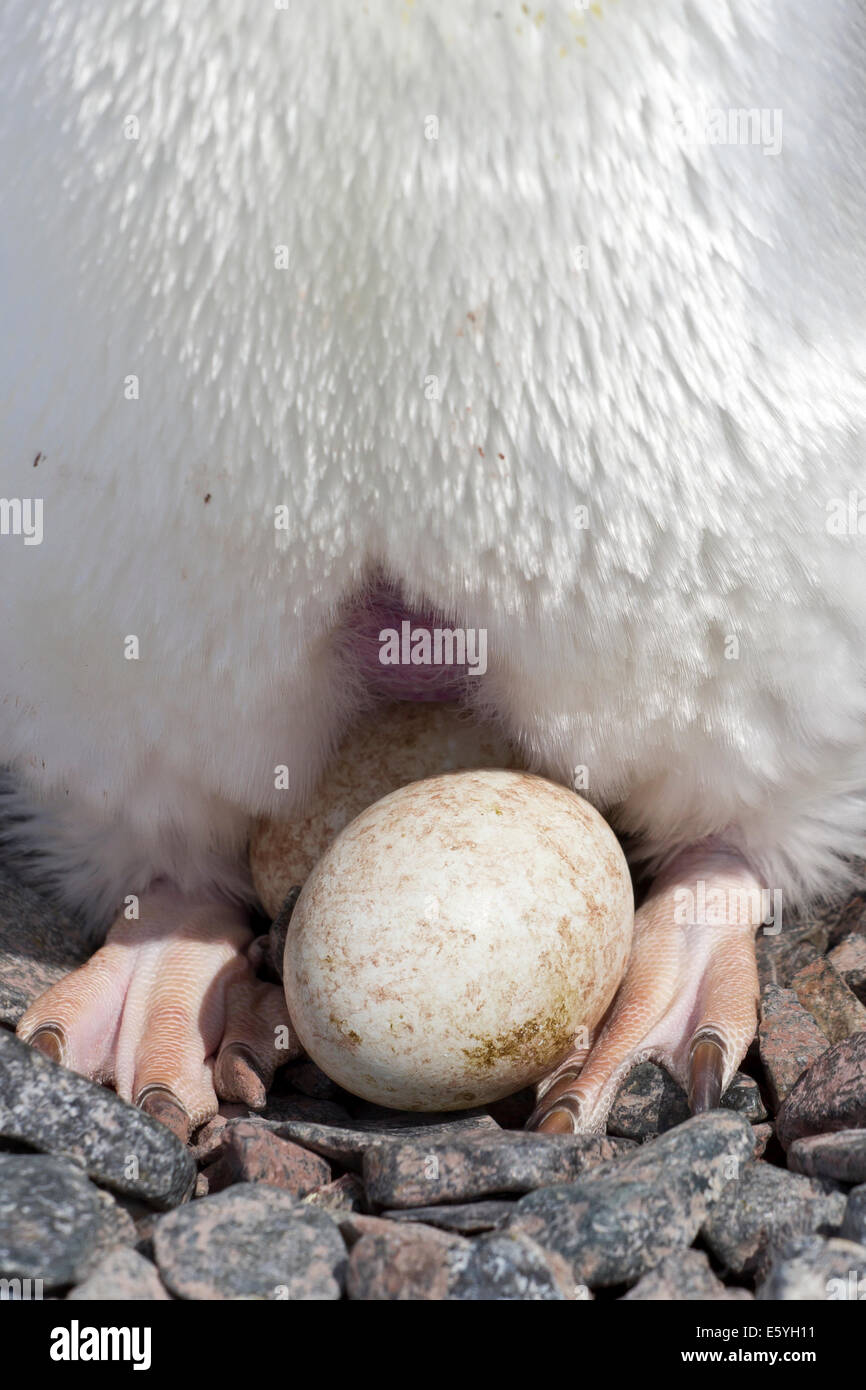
{"x": 53, "y": 1109}
{"x": 810, "y": 1268}
{"x": 766, "y": 1205}
{"x": 250, "y": 1242}
{"x": 467, "y": 1218}
{"x": 40, "y": 943}
{"x": 122, "y": 1274}
{"x": 311, "y": 1109}
{"x": 649, "y": 1102}
{"x": 416, "y": 1263}
{"x": 55, "y": 1224}
{"x": 347, "y": 1144}
{"x": 619, "y": 1221}
{"x": 685, "y": 1275}
{"x": 507, "y": 1266}
{"x": 306, "y": 1077}
{"x": 854, "y": 1221}
{"x": 424, "y": 1173}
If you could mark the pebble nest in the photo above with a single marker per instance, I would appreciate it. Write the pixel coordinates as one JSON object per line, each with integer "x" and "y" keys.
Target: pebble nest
{"x": 324, "y": 1196}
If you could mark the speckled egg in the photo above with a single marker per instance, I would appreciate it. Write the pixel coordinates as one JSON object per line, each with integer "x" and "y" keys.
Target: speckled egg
{"x": 399, "y": 744}
{"x": 455, "y": 937}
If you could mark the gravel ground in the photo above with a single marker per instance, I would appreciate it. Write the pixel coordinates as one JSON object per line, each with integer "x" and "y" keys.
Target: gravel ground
{"x": 323, "y": 1196}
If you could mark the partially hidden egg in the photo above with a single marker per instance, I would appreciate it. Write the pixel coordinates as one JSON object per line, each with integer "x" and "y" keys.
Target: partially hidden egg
{"x": 455, "y": 937}
{"x": 390, "y": 747}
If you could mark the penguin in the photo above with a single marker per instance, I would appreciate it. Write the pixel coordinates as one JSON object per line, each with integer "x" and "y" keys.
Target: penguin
{"x": 546, "y": 324}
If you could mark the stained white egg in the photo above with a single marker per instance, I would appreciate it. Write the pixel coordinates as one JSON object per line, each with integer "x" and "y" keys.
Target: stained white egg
{"x": 455, "y": 938}
{"x": 393, "y": 746}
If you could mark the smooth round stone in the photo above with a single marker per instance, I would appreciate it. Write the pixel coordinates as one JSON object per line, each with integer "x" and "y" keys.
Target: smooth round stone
{"x": 455, "y": 937}
{"x": 400, "y": 744}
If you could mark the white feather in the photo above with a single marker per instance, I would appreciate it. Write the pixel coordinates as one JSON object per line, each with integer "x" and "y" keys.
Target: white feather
{"x": 698, "y": 387}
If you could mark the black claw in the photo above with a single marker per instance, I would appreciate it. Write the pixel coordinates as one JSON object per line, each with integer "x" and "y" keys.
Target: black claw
{"x": 706, "y": 1072}
{"x": 50, "y": 1040}
{"x": 161, "y": 1104}
{"x": 562, "y": 1116}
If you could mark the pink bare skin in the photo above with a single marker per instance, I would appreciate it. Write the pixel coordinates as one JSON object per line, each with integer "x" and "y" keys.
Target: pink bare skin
{"x": 169, "y": 1012}
{"x": 688, "y": 1000}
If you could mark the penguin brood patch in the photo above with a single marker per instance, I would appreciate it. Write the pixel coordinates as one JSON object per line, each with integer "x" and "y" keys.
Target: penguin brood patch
{"x": 321, "y": 320}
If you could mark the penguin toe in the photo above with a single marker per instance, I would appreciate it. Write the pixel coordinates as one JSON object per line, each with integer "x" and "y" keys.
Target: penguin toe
{"x": 169, "y": 1012}
{"x": 688, "y": 999}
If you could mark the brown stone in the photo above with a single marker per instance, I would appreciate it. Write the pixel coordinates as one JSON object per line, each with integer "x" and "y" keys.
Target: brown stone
{"x": 830, "y": 1096}
{"x": 789, "y": 1040}
{"x": 835, "y": 1008}
{"x": 347, "y": 1144}
{"x": 278, "y": 1109}
{"x": 854, "y": 1221}
{"x": 311, "y": 1109}
{"x": 418, "y": 1263}
{"x": 251, "y": 1152}
{"x": 418, "y": 1174}
{"x": 850, "y": 913}
{"x": 400, "y": 1263}
{"x": 762, "y": 1135}
{"x": 354, "y": 1224}
{"x": 779, "y": 956}
{"x": 344, "y": 1194}
{"x": 685, "y": 1275}
{"x": 841, "y": 1155}
{"x": 849, "y": 958}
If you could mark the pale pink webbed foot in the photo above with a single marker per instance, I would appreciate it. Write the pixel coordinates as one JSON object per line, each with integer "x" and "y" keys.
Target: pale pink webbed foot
{"x": 688, "y": 999}
{"x": 169, "y": 1012}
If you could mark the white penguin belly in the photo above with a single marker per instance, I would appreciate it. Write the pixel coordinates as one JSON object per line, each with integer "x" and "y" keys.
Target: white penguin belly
{"x": 431, "y": 292}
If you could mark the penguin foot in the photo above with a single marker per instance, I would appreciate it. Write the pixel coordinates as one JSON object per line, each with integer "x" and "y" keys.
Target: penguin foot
{"x": 688, "y": 999}
{"x": 169, "y": 1012}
